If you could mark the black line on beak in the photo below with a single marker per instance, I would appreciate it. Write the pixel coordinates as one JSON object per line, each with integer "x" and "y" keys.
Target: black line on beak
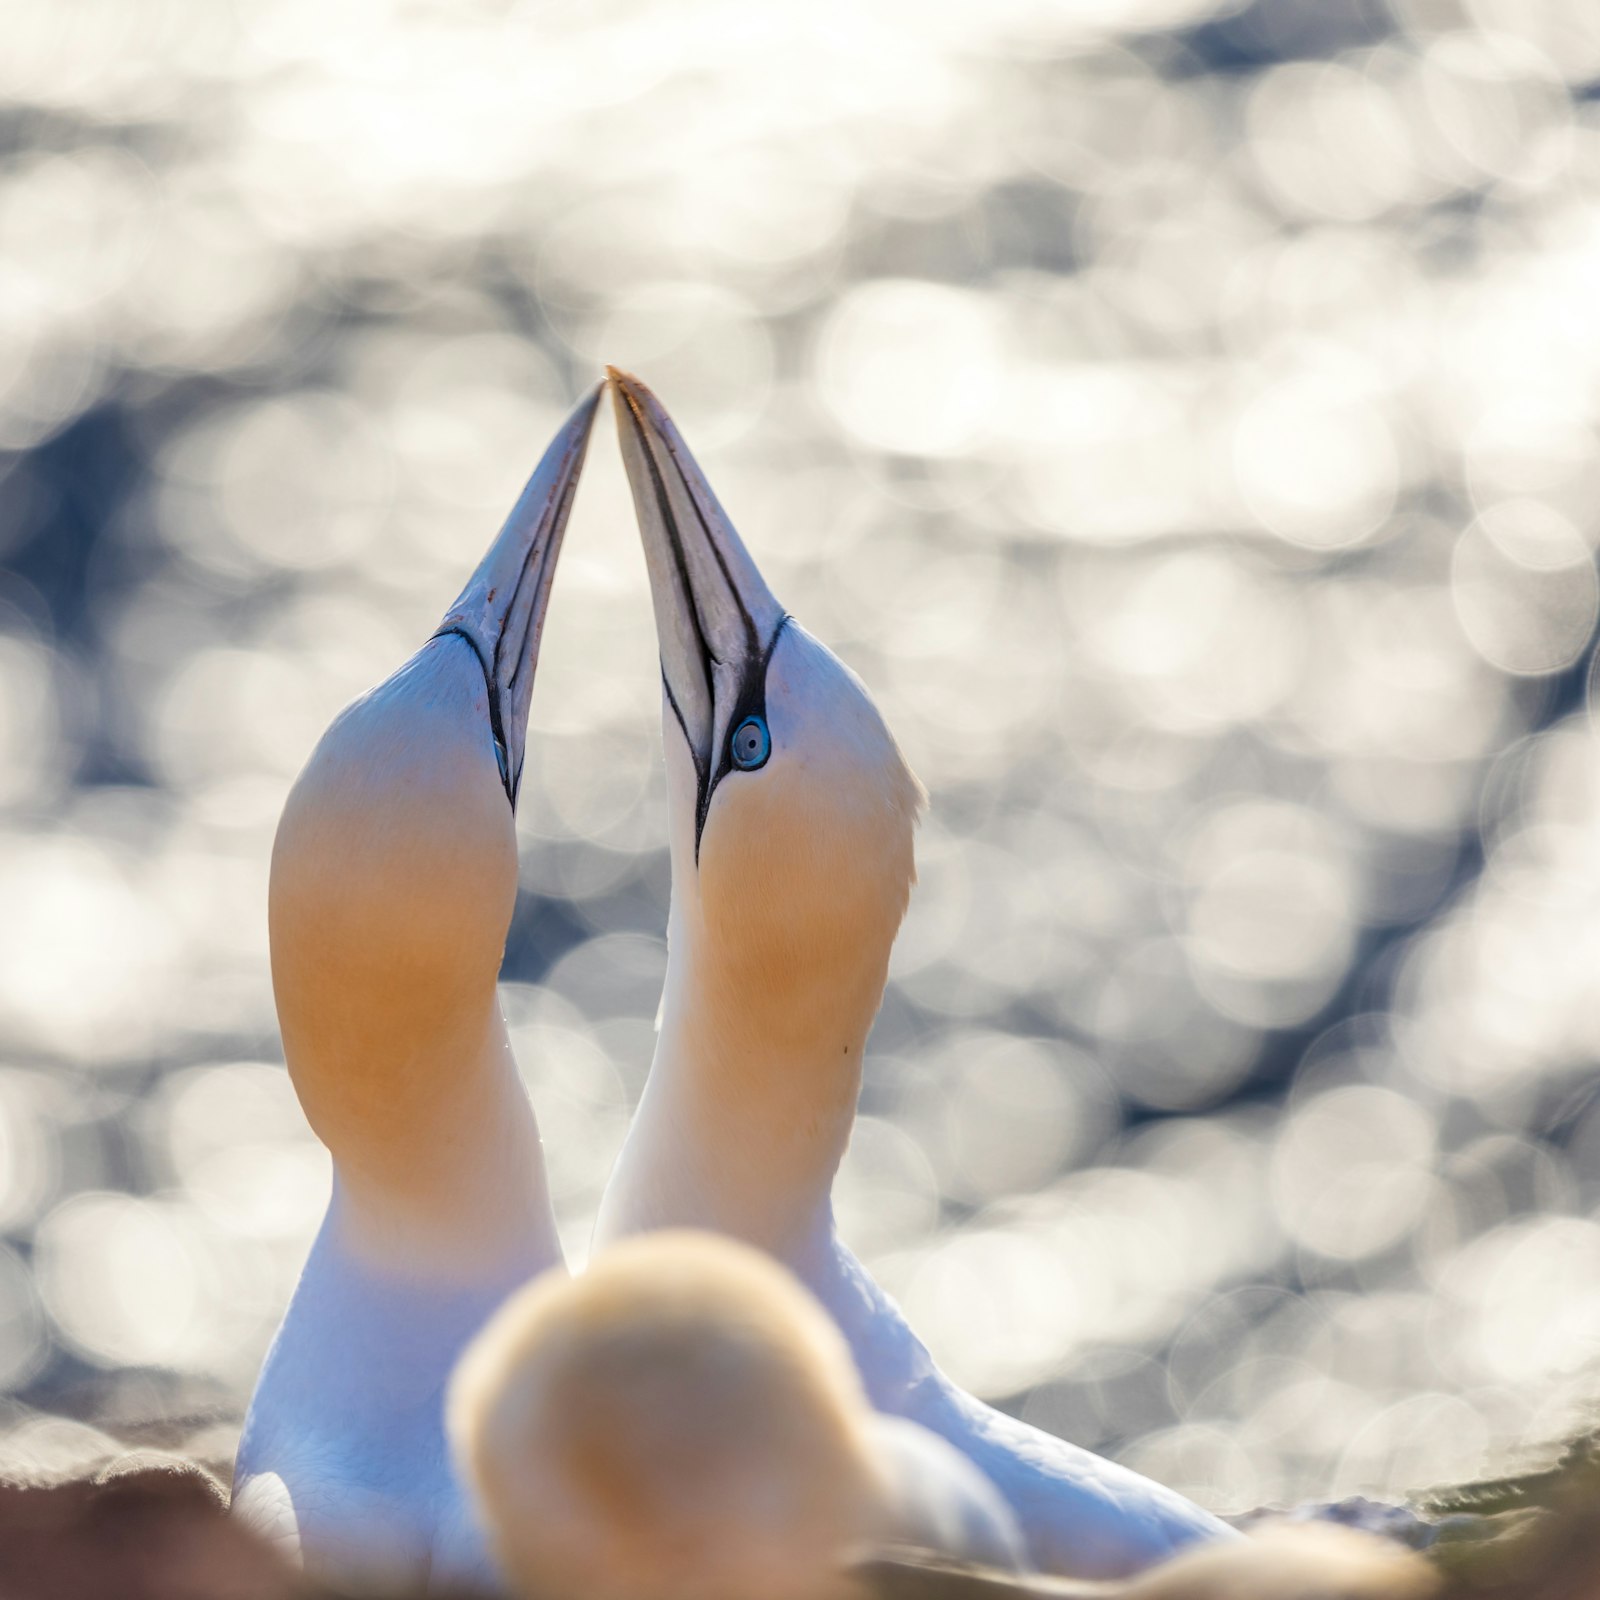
{"x": 509, "y": 782}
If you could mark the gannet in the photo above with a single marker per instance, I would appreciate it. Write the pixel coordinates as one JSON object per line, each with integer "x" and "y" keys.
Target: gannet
{"x": 394, "y": 873}
{"x": 790, "y": 815}
{"x": 684, "y": 1422}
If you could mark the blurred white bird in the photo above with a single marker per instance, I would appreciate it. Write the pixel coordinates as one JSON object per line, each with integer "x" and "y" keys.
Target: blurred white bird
{"x": 684, "y": 1422}
{"x": 394, "y": 875}
{"x": 791, "y": 813}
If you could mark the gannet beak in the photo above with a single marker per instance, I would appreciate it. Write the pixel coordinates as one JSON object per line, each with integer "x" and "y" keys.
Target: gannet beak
{"x": 501, "y": 611}
{"x": 716, "y": 619}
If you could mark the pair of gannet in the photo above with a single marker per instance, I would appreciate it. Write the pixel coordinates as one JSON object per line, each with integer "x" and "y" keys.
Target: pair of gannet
{"x": 791, "y": 814}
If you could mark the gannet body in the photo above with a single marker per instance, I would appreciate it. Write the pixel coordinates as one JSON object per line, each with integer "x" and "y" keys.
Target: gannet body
{"x": 394, "y": 874}
{"x": 791, "y": 813}
{"x": 684, "y": 1422}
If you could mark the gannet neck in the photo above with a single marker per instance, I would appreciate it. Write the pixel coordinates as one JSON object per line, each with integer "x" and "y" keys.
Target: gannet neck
{"x": 778, "y": 949}
{"x": 738, "y": 1132}
{"x": 393, "y": 879}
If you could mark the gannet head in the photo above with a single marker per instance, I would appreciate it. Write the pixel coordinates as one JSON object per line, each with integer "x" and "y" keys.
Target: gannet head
{"x": 394, "y": 871}
{"x": 682, "y": 1422}
{"x": 791, "y": 807}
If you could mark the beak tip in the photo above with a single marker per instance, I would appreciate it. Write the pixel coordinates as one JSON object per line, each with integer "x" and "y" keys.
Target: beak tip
{"x": 629, "y": 390}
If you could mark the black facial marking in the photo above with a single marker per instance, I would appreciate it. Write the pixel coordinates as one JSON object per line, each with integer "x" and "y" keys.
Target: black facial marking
{"x": 751, "y": 702}
{"x": 670, "y": 522}
{"x": 510, "y": 782}
{"x": 683, "y": 727}
{"x": 547, "y": 551}
{"x": 752, "y": 640}
{"x": 752, "y": 696}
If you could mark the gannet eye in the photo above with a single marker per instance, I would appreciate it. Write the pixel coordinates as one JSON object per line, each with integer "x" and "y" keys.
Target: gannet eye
{"x": 752, "y": 744}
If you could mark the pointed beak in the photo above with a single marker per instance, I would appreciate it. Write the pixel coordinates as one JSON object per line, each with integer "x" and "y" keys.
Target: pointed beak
{"x": 716, "y": 619}
{"x": 501, "y": 611}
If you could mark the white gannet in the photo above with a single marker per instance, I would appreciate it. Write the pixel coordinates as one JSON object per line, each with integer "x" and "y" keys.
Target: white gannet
{"x": 684, "y": 1422}
{"x": 394, "y": 874}
{"x": 791, "y": 813}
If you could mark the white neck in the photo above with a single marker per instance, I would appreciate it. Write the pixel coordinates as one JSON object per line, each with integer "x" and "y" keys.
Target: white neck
{"x": 446, "y": 1177}
{"x": 393, "y": 881}
{"x": 749, "y": 1102}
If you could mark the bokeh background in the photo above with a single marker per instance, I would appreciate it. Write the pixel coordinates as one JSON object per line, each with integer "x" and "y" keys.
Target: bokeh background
{"x": 1183, "y": 414}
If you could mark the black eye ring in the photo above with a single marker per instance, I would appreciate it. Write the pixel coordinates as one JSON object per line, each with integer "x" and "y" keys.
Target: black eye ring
{"x": 750, "y": 745}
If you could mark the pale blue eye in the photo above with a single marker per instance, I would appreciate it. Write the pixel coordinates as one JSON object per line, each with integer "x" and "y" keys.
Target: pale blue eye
{"x": 751, "y": 744}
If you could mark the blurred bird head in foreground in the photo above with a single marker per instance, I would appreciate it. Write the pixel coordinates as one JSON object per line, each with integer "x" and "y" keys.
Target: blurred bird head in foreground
{"x": 682, "y": 1422}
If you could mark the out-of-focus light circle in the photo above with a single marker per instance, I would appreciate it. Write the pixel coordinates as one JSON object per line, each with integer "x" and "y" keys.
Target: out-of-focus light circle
{"x": 1204, "y": 640}
{"x": 763, "y": 208}
{"x": 579, "y": 1100}
{"x": 911, "y": 367}
{"x": 1316, "y": 462}
{"x": 239, "y": 1143}
{"x": 1015, "y": 1113}
{"x": 238, "y": 710}
{"x": 704, "y": 348}
{"x": 1531, "y": 1293}
{"x": 1271, "y": 922}
{"x": 1425, "y": 1438}
{"x": 1491, "y": 99}
{"x": 1525, "y": 591}
{"x": 615, "y": 975}
{"x": 83, "y": 972}
{"x": 1329, "y": 141}
{"x": 1523, "y": 450}
{"x": 1166, "y": 1045}
{"x": 29, "y": 1151}
{"x": 468, "y": 418}
{"x": 73, "y": 225}
{"x": 119, "y": 1278}
{"x": 1566, "y": 32}
{"x": 1205, "y": 1463}
{"x": 1272, "y": 914}
{"x": 1352, "y": 1171}
{"x": 992, "y": 1305}
{"x": 23, "y": 1339}
{"x": 296, "y": 483}
{"x": 29, "y": 718}
{"x": 1534, "y": 535}
{"x": 303, "y": 481}
{"x": 885, "y": 1194}
{"x": 593, "y": 783}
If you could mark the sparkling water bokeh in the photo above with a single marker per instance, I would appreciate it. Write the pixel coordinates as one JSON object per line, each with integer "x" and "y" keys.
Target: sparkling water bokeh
{"x": 1182, "y": 414}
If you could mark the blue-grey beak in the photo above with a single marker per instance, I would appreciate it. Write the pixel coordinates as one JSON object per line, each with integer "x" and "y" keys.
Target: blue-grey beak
{"x": 716, "y": 619}
{"x": 501, "y": 611}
